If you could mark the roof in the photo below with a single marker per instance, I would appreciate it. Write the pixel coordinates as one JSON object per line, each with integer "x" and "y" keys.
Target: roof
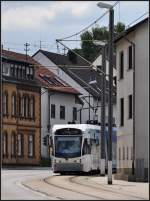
{"x": 51, "y": 81}
{"x": 81, "y": 76}
{"x": 14, "y": 56}
{"x": 129, "y": 30}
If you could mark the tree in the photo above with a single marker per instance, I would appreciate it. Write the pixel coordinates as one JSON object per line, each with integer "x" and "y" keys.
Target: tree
{"x": 88, "y": 50}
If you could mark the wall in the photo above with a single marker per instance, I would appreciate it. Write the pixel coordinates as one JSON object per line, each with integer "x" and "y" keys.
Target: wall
{"x": 63, "y": 99}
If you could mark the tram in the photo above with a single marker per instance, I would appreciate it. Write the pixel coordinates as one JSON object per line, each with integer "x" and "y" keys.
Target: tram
{"x": 76, "y": 148}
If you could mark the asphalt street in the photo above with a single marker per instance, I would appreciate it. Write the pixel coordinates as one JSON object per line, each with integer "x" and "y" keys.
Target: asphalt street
{"x": 12, "y": 188}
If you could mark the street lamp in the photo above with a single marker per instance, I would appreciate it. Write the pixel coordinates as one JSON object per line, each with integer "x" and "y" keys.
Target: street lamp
{"x": 110, "y": 108}
{"x": 103, "y": 82}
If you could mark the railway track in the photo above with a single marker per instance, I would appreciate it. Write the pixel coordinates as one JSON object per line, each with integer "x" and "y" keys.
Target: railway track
{"x": 51, "y": 182}
{"x": 97, "y": 186}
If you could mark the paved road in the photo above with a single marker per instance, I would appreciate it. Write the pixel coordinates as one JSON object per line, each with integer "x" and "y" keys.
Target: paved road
{"x": 42, "y": 184}
{"x": 12, "y": 189}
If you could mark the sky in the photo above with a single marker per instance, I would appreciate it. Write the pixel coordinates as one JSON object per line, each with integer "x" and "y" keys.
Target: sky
{"x": 34, "y": 21}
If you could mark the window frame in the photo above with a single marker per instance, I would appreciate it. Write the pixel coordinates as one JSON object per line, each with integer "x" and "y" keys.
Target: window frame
{"x": 74, "y": 114}
{"x": 5, "y": 144}
{"x": 121, "y": 64}
{"x": 121, "y": 112}
{"x": 5, "y": 103}
{"x": 130, "y": 57}
{"x": 33, "y": 145}
{"x": 53, "y": 111}
{"x": 130, "y": 106}
{"x": 13, "y": 145}
{"x": 21, "y": 153}
{"x": 62, "y": 112}
{"x": 13, "y": 104}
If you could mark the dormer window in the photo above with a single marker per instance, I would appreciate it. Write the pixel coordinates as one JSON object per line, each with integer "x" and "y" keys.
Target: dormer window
{"x": 23, "y": 72}
{"x": 6, "y": 69}
{"x": 16, "y": 71}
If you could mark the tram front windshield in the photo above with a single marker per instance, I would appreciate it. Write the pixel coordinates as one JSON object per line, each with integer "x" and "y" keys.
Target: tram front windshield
{"x": 67, "y": 146}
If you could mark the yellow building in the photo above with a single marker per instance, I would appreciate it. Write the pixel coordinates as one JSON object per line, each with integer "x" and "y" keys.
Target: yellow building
{"x": 21, "y": 105}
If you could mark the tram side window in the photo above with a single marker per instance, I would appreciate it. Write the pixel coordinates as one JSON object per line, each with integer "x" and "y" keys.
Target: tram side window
{"x": 86, "y": 148}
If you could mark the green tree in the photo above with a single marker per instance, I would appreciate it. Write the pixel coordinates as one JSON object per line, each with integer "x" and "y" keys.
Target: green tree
{"x": 88, "y": 50}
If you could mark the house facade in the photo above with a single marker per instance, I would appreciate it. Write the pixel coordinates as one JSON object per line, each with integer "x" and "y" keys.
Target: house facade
{"x": 78, "y": 74}
{"x": 133, "y": 104}
{"x": 21, "y": 105}
{"x": 60, "y": 104}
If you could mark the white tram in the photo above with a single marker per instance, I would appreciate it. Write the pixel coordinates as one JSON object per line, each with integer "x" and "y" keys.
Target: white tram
{"x": 76, "y": 148}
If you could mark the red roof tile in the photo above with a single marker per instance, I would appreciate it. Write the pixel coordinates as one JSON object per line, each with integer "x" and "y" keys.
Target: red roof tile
{"x": 17, "y": 56}
{"x": 42, "y": 71}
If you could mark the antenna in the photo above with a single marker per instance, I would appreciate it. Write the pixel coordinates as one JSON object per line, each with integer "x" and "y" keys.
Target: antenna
{"x": 26, "y": 49}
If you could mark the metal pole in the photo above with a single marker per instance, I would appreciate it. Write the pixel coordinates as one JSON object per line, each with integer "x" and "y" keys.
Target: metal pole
{"x": 110, "y": 108}
{"x": 89, "y": 107}
{"x": 102, "y": 164}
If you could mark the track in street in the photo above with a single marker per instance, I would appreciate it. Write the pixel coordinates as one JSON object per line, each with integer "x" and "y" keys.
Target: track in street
{"x": 44, "y": 185}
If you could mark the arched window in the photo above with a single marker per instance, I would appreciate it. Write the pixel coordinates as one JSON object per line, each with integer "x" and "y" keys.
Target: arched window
{"x": 13, "y": 144}
{"x": 5, "y": 103}
{"x": 5, "y": 144}
{"x": 13, "y": 103}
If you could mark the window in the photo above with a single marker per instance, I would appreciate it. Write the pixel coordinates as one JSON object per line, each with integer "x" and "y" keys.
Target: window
{"x": 12, "y": 69}
{"x": 74, "y": 113}
{"x": 130, "y": 57}
{"x": 123, "y": 153}
{"x": 115, "y": 80}
{"x": 62, "y": 112}
{"x": 32, "y": 107}
{"x": 23, "y": 72}
{"x": 31, "y": 145}
{"x": 52, "y": 111}
{"x": 131, "y": 153}
{"x": 5, "y": 103}
{"x": 20, "y": 144}
{"x": 127, "y": 153}
{"x": 19, "y": 71}
{"x": 121, "y": 65}
{"x": 130, "y": 106}
{"x": 13, "y": 144}
{"x": 28, "y": 72}
{"x": 121, "y": 111}
{"x": 31, "y": 73}
{"x": 5, "y": 145}
{"x": 13, "y": 103}
{"x": 16, "y": 71}
{"x": 6, "y": 69}
{"x": 22, "y": 106}
{"x": 119, "y": 153}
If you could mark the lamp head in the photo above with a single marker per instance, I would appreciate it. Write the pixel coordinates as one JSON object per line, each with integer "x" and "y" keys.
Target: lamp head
{"x": 104, "y": 5}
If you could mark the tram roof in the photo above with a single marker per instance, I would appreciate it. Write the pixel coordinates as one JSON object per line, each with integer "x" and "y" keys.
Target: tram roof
{"x": 83, "y": 127}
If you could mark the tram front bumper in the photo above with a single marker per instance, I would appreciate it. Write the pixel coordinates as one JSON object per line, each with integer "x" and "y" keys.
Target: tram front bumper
{"x": 68, "y": 167}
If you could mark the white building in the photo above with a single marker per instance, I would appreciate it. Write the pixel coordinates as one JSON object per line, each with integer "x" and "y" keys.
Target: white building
{"x": 133, "y": 111}
{"x": 60, "y": 103}
{"x": 78, "y": 74}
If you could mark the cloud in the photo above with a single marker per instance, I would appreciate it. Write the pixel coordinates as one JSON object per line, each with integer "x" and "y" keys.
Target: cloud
{"x": 35, "y": 16}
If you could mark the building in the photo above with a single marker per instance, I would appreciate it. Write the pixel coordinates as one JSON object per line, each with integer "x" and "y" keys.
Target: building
{"x": 21, "y": 104}
{"x": 78, "y": 74}
{"x": 60, "y": 104}
{"x": 132, "y": 102}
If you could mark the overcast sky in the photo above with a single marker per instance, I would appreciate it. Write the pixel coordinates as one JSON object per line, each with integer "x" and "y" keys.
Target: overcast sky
{"x": 46, "y": 21}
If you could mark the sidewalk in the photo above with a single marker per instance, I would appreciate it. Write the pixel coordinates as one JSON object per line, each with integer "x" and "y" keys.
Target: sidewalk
{"x": 139, "y": 189}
